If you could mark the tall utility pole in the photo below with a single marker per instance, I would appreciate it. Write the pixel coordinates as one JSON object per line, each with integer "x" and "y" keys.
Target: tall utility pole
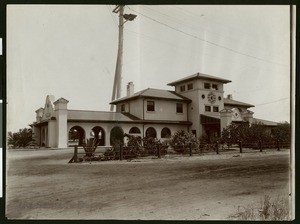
{"x": 116, "y": 93}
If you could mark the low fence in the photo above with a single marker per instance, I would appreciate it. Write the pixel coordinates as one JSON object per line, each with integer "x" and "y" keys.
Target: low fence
{"x": 121, "y": 152}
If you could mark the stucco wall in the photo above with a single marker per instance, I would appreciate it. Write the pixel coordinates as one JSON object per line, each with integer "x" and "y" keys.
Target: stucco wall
{"x": 165, "y": 110}
{"x": 136, "y": 108}
{"x": 52, "y": 137}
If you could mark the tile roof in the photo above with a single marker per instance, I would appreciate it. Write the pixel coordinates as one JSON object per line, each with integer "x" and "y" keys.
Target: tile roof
{"x": 199, "y": 76}
{"x": 265, "y": 122}
{"x": 114, "y": 117}
{"x": 237, "y": 103}
{"x": 153, "y": 93}
{"x": 96, "y": 115}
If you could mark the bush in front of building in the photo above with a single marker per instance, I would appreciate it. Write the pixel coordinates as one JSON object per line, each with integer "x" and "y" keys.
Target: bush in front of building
{"x": 282, "y": 132}
{"x": 21, "y": 139}
{"x": 255, "y": 134}
{"x": 181, "y": 141}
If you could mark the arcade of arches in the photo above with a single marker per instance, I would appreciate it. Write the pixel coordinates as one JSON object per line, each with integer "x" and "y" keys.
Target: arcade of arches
{"x": 77, "y": 134}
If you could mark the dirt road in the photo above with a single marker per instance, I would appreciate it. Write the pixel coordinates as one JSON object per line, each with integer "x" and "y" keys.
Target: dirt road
{"x": 42, "y": 185}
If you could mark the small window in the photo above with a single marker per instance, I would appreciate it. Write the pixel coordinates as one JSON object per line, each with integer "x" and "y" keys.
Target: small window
{"x": 207, "y": 108}
{"x": 179, "y": 108}
{"x": 216, "y": 109}
{"x": 215, "y": 86}
{"x": 190, "y": 86}
{"x": 150, "y": 106}
{"x": 123, "y": 108}
{"x": 182, "y": 88}
{"x": 206, "y": 85}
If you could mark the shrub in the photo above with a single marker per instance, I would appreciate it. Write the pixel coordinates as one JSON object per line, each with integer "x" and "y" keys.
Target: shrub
{"x": 90, "y": 146}
{"x": 181, "y": 141}
{"x": 275, "y": 210}
{"x": 22, "y": 138}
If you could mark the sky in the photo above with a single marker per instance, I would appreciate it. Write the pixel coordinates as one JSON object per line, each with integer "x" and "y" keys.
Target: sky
{"x": 70, "y": 51}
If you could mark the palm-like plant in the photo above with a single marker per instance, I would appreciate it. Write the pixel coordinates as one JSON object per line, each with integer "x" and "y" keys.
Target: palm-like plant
{"x": 22, "y": 138}
{"x": 90, "y": 146}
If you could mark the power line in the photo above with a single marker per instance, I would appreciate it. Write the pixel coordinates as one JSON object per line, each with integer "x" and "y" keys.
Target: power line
{"x": 113, "y": 18}
{"x": 209, "y": 42}
{"x": 287, "y": 98}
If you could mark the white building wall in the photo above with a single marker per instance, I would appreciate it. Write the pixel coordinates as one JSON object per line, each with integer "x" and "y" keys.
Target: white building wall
{"x": 136, "y": 108}
{"x": 165, "y": 110}
{"x": 52, "y": 137}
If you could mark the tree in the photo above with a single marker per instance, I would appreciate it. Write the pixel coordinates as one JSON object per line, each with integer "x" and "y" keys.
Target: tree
{"x": 22, "y": 138}
{"x": 181, "y": 140}
{"x": 234, "y": 133}
{"x": 282, "y": 132}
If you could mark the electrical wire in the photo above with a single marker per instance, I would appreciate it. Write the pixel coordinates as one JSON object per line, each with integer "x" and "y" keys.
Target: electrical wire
{"x": 113, "y": 18}
{"x": 287, "y": 98}
{"x": 209, "y": 42}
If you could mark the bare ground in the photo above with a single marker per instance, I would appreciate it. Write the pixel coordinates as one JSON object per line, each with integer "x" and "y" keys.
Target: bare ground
{"x": 42, "y": 185}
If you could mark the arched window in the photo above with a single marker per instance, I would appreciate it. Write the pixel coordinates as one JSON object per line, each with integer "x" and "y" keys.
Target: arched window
{"x": 99, "y": 134}
{"x": 150, "y": 132}
{"x": 77, "y": 134}
{"x": 134, "y": 130}
{"x": 116, "y": 136}
{"x": 165, "y": 133}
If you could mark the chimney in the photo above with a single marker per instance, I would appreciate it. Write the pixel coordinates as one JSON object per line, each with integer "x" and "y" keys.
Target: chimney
{"x": 130, "y": 89}
{"x": 229, "y": 96}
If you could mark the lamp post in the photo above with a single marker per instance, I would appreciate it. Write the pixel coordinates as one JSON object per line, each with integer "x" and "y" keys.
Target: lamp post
{"x": 116, "y": 93}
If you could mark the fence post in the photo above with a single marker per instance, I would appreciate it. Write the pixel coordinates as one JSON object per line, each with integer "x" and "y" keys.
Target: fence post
{"x": 241, "y": 147}
{"x": 76, "y": 154}
{"x": 190, "y": 145}
{"x": 158, "y": 150}
{"x": 121, "y": 151}
{"x": 217, "y": 147}
{"x": 278, "y": 145}
{"x": 260, "y": 146}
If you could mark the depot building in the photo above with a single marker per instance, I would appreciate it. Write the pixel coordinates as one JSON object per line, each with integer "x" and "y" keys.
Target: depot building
{"x": 197, "y": 105}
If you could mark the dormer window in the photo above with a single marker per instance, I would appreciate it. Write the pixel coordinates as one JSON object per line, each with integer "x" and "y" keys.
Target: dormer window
{"x": 206, "y": 85}
{"x": 182, "y": 88}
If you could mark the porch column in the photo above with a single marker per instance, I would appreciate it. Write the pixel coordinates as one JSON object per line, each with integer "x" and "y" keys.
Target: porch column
{"x": 61, "y": 113}
{"x": 226, "y": 118}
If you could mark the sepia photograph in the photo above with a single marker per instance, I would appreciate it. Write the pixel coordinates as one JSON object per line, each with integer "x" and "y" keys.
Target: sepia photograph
{"x": 150, "y": 112}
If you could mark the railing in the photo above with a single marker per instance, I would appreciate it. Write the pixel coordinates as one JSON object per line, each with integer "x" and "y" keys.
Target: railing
{"x": 121, "y": 152}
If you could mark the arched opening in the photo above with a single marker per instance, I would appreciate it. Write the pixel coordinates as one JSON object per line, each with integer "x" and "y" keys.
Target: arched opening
{"x": 99, "y": 134}
{"x": 165, "y": 133}
{"x": 76, "y": 134}
{"x": 44, "y": 137}
{"x": 134, "y": 130}
{"x": 116, "y": 135}
{"x": 150, "y": 133}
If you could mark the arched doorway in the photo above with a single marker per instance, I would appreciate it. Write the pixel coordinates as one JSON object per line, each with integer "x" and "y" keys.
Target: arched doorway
{"x": 150, "y": 133}
{"x": 77, "y": 134}
{"x": 116, "y": 135}
{"x": 165, "y": 133}
{"x": 134, "y": 131}
{"x": 99, "y": 134}
{"x": 44, "y": 137}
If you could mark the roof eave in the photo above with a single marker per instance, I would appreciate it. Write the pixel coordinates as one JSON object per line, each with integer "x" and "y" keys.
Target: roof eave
{"x": 204, "y": 78}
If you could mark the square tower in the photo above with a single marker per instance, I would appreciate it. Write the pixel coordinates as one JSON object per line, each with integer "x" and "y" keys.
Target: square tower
{"x": 207, "y": 95}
